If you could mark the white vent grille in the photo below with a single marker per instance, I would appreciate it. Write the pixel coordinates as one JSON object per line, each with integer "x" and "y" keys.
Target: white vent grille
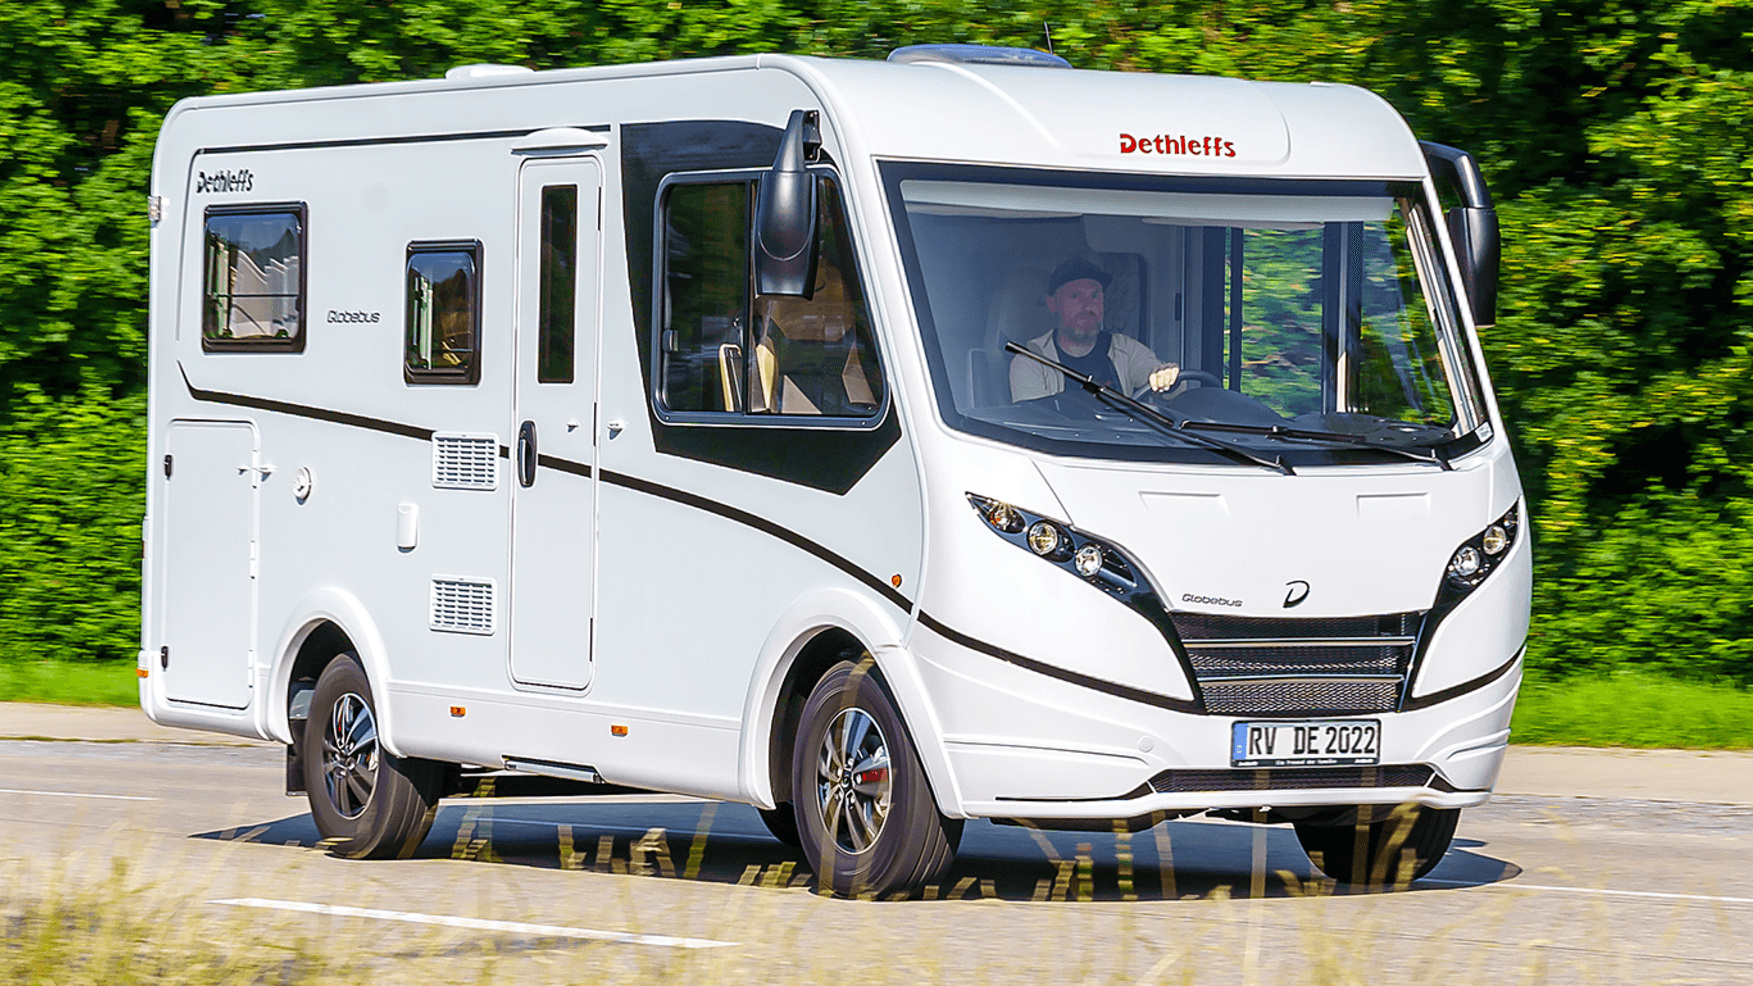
{"x": 462, "y": 605}
{"x": 465, "y": 462}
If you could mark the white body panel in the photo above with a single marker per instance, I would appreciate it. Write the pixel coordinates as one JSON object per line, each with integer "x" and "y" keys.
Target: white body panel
{"x": 636, "y": 585}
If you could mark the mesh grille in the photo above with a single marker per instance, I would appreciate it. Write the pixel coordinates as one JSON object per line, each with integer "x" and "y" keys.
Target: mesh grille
{"x": 1214, "y": 626}
{"x": 1292, "y": 778}
{"x": 1320, "y": 666}
{"x": 465, "y": 462}
{"x": 1296, "y": 660}
{"x": 462, "y": 605}
{"x": 1326, "y": 696}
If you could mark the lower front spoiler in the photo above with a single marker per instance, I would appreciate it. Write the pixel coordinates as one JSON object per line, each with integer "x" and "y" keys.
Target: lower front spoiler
{"x": 1181, "y": 791}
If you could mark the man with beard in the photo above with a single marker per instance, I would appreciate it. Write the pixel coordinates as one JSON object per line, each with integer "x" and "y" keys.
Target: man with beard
{"x": 1074, "y": 296}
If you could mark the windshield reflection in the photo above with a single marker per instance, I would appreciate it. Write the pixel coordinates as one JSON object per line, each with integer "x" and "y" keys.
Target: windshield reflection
{"x": 1315, "y": 307}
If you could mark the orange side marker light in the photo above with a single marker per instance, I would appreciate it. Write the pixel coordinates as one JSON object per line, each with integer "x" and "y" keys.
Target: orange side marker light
{"x": 458, "y": 711}
{"x": 616, "y": 729}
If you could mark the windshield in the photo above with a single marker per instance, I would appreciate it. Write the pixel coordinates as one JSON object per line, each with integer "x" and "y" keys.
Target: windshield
{"x": 1240, "y": 310}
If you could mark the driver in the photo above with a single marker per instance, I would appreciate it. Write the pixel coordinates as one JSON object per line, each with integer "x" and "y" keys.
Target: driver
{"x": 1074, "y": 296}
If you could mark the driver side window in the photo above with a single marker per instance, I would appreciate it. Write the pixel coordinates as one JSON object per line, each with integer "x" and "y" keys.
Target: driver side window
{"x": 726, "y": 350}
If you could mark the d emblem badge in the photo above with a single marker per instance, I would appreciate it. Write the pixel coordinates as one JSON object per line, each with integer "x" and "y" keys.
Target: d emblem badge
{"x": 1298, "y": 591}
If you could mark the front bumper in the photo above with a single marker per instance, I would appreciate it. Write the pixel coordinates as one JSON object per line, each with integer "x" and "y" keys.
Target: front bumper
{"x": 1021, "y": 744}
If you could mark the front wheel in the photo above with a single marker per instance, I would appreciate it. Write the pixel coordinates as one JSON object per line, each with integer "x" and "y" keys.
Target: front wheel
{"x": 865, "y": 813}
{"x": 1401, "y": 847}
{"x": 374, "y": 805}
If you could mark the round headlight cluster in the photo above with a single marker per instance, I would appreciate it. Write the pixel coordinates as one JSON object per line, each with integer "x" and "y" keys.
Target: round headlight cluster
{"x": 1088, "y": 561}
{"x": 1004, "y": 517}
{"x": 1047, "y": 540}
{"x": 1102, "y": 564}
{"x": 1474, "y": 560}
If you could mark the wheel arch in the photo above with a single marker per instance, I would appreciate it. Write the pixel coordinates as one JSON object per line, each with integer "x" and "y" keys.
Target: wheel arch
{"x": 324, "y": 623}
{"x": 804, "y": 643}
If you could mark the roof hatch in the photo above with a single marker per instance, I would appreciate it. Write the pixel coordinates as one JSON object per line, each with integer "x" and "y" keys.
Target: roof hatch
{"x": 978, "y": 55}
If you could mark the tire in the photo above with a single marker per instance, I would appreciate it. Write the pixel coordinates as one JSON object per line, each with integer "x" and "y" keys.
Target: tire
{"x": 865, "y": 835}
{"x": 782, "y": 822}
{"x": 1423, "y": 832}
{"x": 376, "y": 805}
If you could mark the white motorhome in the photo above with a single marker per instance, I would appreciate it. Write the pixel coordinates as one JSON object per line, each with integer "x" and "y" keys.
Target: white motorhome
{"x": 717, "y": 427}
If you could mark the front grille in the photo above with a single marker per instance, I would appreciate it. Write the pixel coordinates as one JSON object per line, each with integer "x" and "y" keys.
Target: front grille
{"x": 1291, "y": 778}
{"x": 1282, "y": 666}
{"x": 1323, "y": 696}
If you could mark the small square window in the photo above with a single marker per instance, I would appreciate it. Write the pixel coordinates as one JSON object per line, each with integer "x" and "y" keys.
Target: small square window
{"x": 253, "y": 279}
{"x": 444, "y": 312}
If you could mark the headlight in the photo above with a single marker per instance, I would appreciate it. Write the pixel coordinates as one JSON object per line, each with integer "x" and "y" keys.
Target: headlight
{"x": 1475, "y": 558}
{"x": 1095, "y": 561}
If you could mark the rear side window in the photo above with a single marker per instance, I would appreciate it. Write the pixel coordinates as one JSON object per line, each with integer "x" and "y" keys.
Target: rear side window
{"x": 253, "y": 279}
{"x": 443, "y": 339}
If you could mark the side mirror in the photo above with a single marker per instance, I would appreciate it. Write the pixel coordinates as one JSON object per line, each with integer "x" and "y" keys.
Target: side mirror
{"x": 785, "y": 224}
{"x": 1472, "y": 227}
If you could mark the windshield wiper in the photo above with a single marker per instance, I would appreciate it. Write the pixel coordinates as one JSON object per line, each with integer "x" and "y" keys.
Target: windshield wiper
{"x": 1299, "y": 434}
{"x": 1177, "y": 429}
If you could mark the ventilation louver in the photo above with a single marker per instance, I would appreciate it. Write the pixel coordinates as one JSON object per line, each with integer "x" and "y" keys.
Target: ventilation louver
{"x": 465, "y": 462}
{"x": 462, "y": 605}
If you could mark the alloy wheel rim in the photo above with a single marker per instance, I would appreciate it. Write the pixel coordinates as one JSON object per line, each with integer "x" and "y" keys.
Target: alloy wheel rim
{"x": 854, "y": 785}
{"x": 350, "y": 755}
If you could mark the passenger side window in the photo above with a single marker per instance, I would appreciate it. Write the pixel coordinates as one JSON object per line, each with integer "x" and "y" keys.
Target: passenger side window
{"x": 253, "y": 279}
{"x": 443, "y": 340}
{"x": 724, "y": 349}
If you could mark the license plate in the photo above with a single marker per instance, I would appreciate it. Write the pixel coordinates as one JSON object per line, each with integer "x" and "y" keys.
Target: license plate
{"x": 1306, "y": 743}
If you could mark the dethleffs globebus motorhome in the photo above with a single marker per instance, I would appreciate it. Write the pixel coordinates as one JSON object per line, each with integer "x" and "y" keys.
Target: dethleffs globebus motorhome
{"x": 697, "y": 427}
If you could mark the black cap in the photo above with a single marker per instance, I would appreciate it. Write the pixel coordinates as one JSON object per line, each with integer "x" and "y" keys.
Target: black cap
{"x": 1076, "y": 269}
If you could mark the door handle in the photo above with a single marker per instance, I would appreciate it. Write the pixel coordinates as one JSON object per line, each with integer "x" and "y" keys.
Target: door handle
{"x": 526, "y": 454}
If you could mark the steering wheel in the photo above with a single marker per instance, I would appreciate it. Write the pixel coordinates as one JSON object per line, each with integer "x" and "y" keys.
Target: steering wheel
{"x": 1197, "y": 376}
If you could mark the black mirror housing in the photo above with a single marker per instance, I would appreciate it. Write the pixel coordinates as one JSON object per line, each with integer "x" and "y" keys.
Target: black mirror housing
{"x": 1472, "y": 227}
{"x": 785, "y": 224}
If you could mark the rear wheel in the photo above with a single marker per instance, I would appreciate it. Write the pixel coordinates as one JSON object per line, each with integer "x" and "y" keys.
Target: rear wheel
{"x": 1401, "y": 847}
{"x": 865, "y": 814}
{"x": 377, "y": 805}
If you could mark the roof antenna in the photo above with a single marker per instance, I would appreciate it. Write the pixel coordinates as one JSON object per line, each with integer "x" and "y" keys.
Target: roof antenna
{"x": 1048, "y": 28}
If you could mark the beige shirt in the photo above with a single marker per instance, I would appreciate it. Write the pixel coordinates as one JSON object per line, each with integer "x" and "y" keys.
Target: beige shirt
{"x": 1133, "y": 363}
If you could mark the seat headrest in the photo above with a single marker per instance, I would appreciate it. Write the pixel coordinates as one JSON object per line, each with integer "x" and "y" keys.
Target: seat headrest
{"x": 1017, "y": 311}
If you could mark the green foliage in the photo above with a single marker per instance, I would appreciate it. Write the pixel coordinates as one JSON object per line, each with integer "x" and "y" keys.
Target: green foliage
{"x": 1617, "y": 136}
{"x": 72, "y": 493}
{"x": 70, "y": 682}
{"x": 1636, "y": 710}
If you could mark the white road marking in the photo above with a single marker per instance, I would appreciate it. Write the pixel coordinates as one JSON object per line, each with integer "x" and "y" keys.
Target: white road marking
{"x": 477, "y": 924}
{"x": 76, "y": 794}
{"x": 1658, "y": 895}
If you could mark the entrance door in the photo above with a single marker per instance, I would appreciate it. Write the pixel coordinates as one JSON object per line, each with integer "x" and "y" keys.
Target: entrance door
{"x": 209, "y": 589}
{"x": 553, "y": 502}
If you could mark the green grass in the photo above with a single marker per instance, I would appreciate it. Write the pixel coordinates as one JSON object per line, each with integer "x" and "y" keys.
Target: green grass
{"x": 1634, "y": 709}
{"x": 69, "y": 682}
{"x": 1625, "y": 709}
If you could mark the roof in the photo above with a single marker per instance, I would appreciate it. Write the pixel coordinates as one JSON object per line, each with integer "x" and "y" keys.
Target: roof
{"x": 1043, "y": 117}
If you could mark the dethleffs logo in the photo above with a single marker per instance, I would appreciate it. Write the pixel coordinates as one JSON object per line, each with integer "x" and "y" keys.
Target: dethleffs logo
{"x": 1171, "y": 144}
{"x": 225, "y": 181}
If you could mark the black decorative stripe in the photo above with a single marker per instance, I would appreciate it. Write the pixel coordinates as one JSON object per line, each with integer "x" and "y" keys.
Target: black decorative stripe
{"x": 577, "y": 468}
{"x": 760, "y": 524}
{"x": 1071, "y": 677}
{"x": 1456, "y": 691}
{"x": 306, "y": 411}
{"x": 299, "y": 145}
{"x": 564, "y": 465}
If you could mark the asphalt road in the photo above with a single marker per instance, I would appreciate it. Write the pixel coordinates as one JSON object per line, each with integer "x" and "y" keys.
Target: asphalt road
{"x": 1536, "y": 889}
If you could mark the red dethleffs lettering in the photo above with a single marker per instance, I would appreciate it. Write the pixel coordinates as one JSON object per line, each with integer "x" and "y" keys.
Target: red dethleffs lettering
{"x": 1205, "y": 146}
